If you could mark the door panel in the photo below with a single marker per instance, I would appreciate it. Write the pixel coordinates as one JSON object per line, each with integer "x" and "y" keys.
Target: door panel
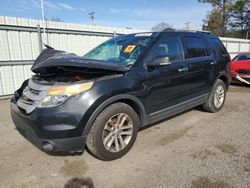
{"x": 182, "y": 80}
{"x": 200, "y": 62}
{"x": 200, "y": 69}
{"x": 168, "y": 85}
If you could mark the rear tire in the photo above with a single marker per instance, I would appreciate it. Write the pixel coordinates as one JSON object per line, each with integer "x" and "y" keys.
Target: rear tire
{"x": 114, "y": 132}
{"x": 216, "y": 98}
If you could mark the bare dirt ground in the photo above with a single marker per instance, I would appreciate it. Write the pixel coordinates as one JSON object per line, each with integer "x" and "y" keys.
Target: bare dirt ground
{"x": 194, "y": 149}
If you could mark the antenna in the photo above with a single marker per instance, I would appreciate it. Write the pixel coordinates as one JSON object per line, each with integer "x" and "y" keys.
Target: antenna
{"x": 92, "y": 16}
{"x": 42, "y": 8}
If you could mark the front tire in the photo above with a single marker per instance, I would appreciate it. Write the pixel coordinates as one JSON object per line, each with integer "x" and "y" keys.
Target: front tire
{"x": 216, "y": 98}
{"x": 114, "y": 132}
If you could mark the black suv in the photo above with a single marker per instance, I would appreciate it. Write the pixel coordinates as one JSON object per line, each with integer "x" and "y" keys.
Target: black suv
{"x": 130, "y": 81}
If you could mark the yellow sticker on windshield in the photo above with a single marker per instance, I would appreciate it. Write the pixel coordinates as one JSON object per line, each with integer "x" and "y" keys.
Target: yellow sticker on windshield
{"x": 129, "y": 48}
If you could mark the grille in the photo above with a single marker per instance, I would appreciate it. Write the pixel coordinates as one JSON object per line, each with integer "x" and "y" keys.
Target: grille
{"x": 32, "y": 95}
{"x": 36, "y": 92}
{"x": 27, "y": 100}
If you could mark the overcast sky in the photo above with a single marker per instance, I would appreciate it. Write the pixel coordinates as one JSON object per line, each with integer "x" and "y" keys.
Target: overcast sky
{"x": 139, "y": 14}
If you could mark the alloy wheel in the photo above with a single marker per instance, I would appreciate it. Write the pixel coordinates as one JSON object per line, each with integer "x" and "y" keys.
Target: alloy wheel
{"x": 117, "y": 132}
{"x": 219, "y": 96}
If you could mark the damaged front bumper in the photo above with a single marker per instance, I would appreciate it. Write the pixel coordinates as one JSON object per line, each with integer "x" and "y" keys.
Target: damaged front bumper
{"x": 49, "y": 138}
{"x": 55, "y": 129}
{"x": 241, "y": 79}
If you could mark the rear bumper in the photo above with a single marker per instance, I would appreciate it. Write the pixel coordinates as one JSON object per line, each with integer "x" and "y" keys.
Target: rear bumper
{"x": 31, "y": 129}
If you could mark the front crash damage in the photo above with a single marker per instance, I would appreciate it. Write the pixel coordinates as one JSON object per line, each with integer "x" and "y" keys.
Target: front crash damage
{"x": 54, "y": 64}
{"x": 64, "y": 71}
{"x": 240, "y": 76}
{"x": 48, "y": 109}
{"x": 241, "y": 79}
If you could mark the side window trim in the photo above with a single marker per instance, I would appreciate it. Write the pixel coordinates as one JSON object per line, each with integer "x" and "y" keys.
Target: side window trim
{"x": 221, "y": 50}
{"x": 182, "y": 48}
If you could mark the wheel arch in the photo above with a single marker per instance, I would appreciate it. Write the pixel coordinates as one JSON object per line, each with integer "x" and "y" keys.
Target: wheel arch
{"x": 224, "y": 77}
{"x": 130, "y": 100}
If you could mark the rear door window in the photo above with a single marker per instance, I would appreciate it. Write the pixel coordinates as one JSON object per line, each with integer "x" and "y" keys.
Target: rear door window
{"x": 195, "y": 47}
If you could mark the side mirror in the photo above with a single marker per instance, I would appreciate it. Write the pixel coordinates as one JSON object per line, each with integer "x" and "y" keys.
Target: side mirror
{"x": 159, "y": 61}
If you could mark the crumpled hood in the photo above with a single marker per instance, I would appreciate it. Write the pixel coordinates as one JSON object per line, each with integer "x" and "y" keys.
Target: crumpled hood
{"x": 50, "y": 60}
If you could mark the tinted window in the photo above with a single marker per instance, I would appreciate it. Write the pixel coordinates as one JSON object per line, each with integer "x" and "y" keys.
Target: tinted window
{"x": 168, "y": 46}
{"x": 218, "y": 46}
{"x": 195, "y": 47}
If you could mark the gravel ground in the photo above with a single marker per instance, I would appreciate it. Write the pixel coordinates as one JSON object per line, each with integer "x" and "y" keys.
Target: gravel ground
{"x": 194, "y": 149}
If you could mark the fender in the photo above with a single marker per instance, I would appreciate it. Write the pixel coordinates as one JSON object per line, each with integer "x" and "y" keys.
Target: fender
{"x": 220, "y": 74}
{"x": 109, "y": 101}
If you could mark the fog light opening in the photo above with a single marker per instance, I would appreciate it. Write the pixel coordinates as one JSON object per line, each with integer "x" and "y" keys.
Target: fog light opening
{"x": 47, "y": 146}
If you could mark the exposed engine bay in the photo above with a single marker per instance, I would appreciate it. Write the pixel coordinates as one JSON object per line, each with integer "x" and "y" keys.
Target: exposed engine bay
{"x": 58, "y": 66}
{"x": 59, "y": 75}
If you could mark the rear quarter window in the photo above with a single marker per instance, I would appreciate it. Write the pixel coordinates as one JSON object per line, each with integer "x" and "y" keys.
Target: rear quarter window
{"x": 217, "y": 46}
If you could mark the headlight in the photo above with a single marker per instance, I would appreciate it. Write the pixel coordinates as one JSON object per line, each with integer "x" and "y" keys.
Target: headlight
{"x": 53, "y": 100}
{"x": 58, "y": 94}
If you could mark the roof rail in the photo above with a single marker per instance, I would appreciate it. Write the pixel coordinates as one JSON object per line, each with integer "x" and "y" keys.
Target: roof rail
{"x": 207, "y": 32}
{"x": 183, "y": 30}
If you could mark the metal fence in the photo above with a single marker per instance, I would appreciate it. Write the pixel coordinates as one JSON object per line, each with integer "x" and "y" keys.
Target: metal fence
{"x": 235, "y": 46}
{"x": 21, "y": 42}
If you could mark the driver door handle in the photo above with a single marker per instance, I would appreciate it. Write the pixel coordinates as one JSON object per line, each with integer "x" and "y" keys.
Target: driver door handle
{"x": 184, "y": 69}
{"x": 213, "y": 63}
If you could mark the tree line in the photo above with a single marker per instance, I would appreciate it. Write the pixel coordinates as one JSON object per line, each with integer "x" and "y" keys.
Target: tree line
{"x": 228, "y": 18}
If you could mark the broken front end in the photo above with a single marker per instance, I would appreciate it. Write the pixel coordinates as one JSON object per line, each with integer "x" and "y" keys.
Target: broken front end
{"x": 52, "y": 108}
{"x": 240, "y": 76}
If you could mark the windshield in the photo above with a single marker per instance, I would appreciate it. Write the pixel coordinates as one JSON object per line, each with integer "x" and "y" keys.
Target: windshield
{"x": 123, "y": 50}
